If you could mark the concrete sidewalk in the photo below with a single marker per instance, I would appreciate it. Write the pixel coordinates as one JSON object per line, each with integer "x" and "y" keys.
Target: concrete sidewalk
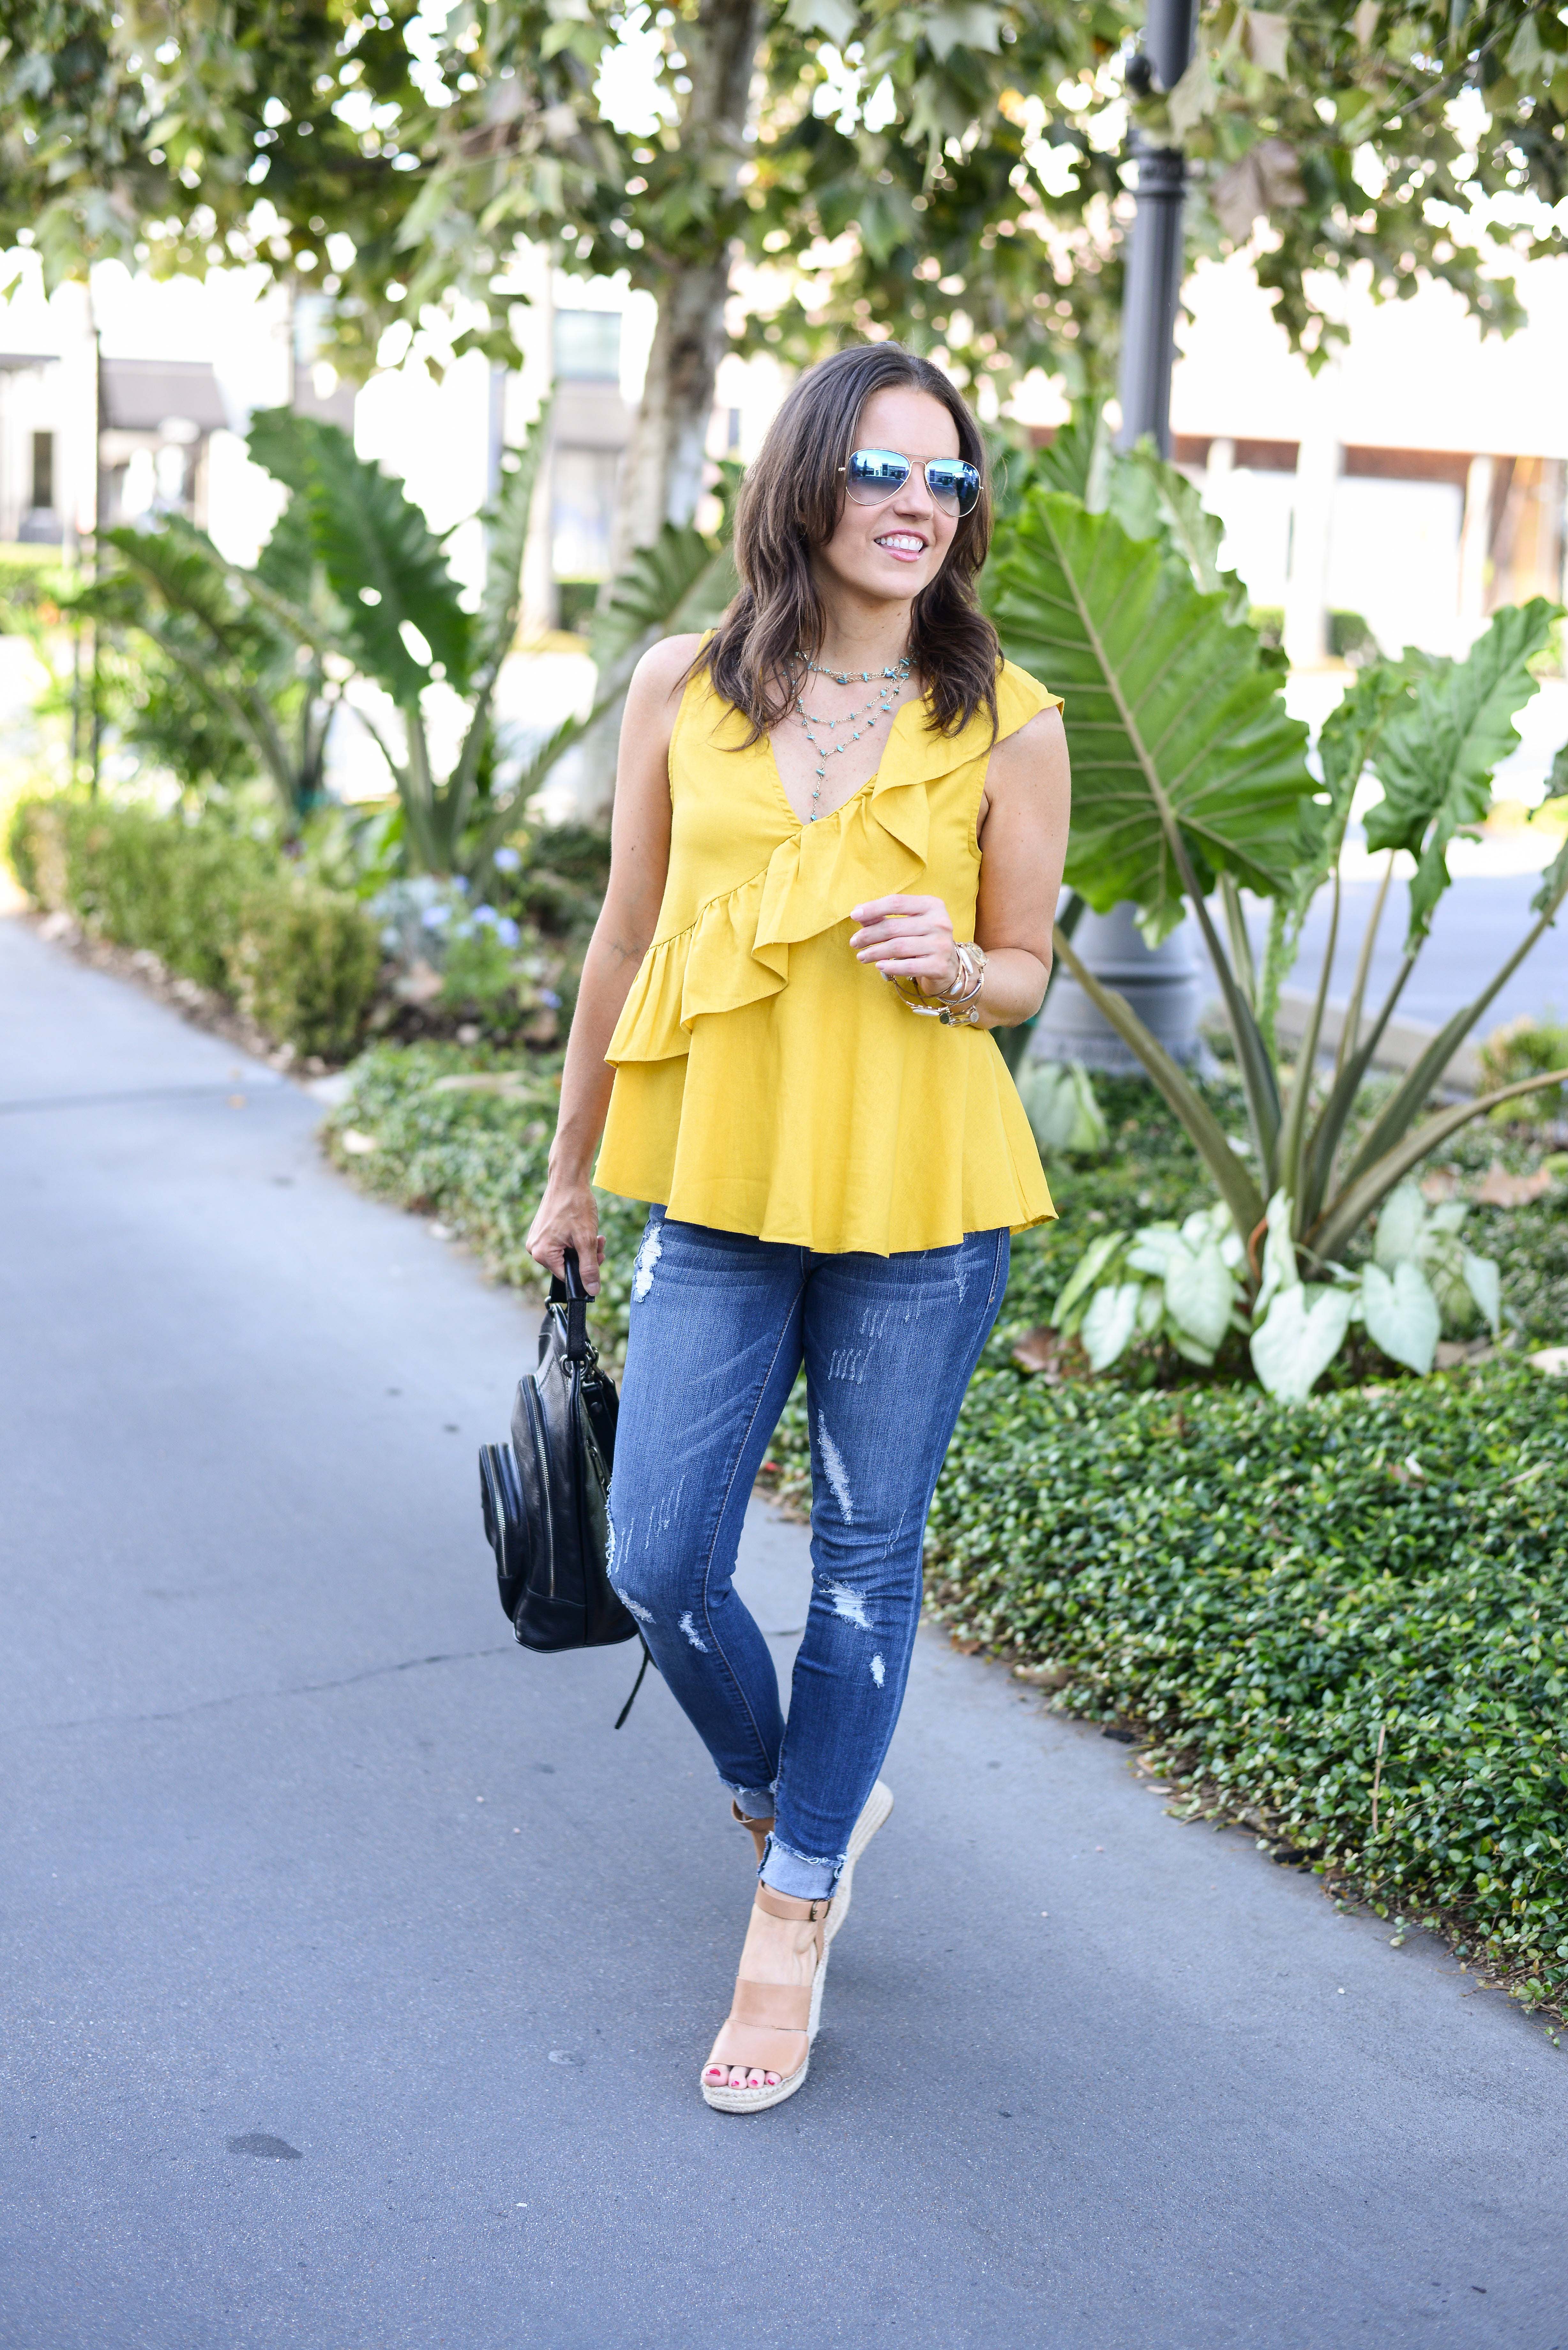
{"x": 355, "y": 1974}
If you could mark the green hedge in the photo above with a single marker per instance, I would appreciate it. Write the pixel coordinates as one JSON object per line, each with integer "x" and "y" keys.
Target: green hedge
{"x": 1264, "y": 1590}
{"x": 475, "y": 1159}
{"x": 214, "y": 906}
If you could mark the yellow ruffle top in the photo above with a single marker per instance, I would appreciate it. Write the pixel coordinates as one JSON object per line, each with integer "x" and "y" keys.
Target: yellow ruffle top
{"x": 768, "y": 1083}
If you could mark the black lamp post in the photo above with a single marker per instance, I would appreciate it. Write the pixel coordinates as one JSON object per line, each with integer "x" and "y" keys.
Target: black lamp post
{"x": 1153, "y": 285}
{"x": 1160, "y": 983}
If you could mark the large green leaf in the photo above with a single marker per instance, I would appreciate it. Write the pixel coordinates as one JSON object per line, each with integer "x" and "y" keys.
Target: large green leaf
{"x": 283, "y": 442}
{"x": 507, "y": 538}
{"x": 1152, "y": 499}
{"x": 288, "y": 562}
{"x": 1165, "y": 702}
{"x": 1437, "y": 754}
{"x": 683, "y": 581}
{"x": 384, "y": 563}
{"x": 1076, "y": 461}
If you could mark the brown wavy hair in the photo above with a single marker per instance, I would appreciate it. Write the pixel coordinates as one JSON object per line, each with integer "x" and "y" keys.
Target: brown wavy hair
{"x": 790, "y": 503}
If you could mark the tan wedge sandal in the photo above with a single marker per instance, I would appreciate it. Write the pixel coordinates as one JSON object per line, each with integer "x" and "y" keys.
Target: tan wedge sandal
{"x": 771, "y": 2026}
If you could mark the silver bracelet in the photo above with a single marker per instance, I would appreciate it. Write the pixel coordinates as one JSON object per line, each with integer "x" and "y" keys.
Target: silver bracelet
{"x": 955, "y": 1009}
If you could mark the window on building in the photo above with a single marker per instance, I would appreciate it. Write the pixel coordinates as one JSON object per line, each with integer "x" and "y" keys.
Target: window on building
{"x": 582, "y": 485}
{"x": 587, "y": 345}
{"x": 43, "y": 496}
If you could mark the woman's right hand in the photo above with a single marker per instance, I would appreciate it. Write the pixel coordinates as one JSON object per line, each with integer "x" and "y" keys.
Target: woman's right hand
{"x": 569, "y": 1218}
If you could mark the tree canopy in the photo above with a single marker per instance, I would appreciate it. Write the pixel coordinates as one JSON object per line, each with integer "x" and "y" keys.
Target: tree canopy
{"x": 948, "y": 171}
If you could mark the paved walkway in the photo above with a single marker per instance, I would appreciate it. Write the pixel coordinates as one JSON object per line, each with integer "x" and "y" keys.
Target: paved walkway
{"x": 355, "y": 1975}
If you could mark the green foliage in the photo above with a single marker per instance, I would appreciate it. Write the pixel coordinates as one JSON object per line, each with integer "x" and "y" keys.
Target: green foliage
{"x": 303, "y": 964}
{"x": 31, "y": 585}
{"x": 1526, "y": 1048}
{"x": 1439, "y": 745}
{"x": 465, "y": 1136}
{"x": 141, "y": 879}
{"x": 1189, "y": 774}
{"x": 214, "y": 905}
{"x": 260, "y": 699}
{"x": 1267, "y": 1591}
{"x": 391, "y": 608}
{"x": 1059, "y": 1102}
{"x": 382, "y": 559}
{"x": 683, "y": 582}
{"x": 1173, "y": 720}
{"x": 974, "y": 219}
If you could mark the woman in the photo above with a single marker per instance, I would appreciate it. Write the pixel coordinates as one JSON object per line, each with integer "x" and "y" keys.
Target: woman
{"x": 839, "y": 834}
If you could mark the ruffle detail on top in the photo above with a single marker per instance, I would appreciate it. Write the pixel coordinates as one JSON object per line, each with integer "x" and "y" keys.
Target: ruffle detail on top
{"x": 737, "y": 951}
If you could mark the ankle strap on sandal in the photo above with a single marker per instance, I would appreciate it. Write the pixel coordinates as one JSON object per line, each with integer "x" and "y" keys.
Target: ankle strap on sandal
{"x": 787, "y": 1905}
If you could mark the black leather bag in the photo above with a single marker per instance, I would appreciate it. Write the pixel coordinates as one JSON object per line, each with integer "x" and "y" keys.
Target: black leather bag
{"x": 545, "y": 1494}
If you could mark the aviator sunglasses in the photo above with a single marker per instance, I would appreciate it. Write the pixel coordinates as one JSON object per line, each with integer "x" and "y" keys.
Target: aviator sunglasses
{"x": 873, "y": 475}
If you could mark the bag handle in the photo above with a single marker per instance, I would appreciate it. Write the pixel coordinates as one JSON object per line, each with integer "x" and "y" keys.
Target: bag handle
{"x": 569, "y": 1292}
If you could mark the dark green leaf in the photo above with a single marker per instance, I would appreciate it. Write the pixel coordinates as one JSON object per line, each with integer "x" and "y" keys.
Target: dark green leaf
{"x": 683, "y": 581}
{"x": 383, "y": 562}
{"x": 1437, "y": 751}
{"x": 1164, "y": 698}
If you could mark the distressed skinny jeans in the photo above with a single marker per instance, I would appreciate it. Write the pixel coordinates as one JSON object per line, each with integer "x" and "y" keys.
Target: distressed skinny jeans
{"x": 720, "y": 1326}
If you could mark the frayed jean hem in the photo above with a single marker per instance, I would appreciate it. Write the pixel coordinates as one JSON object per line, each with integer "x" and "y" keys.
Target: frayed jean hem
{"x": 797, "y": 1874}
{"x": 755, "y": 1803}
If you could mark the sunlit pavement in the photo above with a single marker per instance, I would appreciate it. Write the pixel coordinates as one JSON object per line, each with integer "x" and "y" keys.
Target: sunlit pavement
{"x": 356, "y": 1974}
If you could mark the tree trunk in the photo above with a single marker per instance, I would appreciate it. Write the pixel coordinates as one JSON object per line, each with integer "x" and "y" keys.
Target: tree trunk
{"x": 661, "y": 480}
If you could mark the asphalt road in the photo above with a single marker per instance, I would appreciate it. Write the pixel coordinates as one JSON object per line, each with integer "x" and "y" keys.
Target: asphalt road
{"x": 355, "y": 1974}
{"x": 1480, "y": 922}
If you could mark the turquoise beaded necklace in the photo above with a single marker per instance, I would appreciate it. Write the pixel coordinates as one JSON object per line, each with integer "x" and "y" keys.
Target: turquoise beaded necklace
{"x": 883, "y": 702}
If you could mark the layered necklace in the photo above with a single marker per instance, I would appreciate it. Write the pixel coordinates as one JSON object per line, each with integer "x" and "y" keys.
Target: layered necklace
{"x": 883, "y": 702}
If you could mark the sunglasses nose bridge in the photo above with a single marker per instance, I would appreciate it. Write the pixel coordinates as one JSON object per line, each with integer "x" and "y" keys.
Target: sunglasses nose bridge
{"x": 914, "y": 494}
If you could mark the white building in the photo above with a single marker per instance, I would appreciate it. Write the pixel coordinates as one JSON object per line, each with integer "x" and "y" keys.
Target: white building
{"x": 1417, "y": 481}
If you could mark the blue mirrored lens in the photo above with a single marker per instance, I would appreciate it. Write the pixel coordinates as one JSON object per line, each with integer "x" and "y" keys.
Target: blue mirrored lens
{"x": 952, "y": 484}
{"x": 875, "y": 472}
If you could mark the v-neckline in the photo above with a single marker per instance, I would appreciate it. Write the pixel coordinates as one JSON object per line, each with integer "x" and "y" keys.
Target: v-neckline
{"x": 804, "y": 823}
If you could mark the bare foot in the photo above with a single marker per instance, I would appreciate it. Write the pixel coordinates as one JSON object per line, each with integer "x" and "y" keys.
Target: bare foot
{"x": 777, "y": 1950}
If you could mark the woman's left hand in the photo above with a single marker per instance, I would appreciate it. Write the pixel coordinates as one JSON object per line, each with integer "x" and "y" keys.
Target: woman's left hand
{"x": 908, "y": 938}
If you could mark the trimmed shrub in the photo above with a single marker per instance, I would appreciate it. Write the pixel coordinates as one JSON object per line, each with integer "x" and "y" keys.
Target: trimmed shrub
{"x": 303, "y": 965}
{"x": 1301, "y": 1604}
{"x": 214, "y": 906}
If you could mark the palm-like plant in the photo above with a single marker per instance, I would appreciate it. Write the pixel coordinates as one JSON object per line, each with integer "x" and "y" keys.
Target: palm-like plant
{"x": 353, "y": 584}
{"x": 1191, "y": 783}
{"x": 212, "y": 622}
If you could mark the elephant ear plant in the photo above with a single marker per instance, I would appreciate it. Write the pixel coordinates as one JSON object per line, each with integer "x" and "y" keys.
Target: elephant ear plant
{"x": 1191, "y": 783}
{"x": 355, "y": 586}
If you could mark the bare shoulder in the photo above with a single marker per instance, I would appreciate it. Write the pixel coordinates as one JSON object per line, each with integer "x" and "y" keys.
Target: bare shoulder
{"x": 1033, "y": 756}
{"x": 660, "y": 674}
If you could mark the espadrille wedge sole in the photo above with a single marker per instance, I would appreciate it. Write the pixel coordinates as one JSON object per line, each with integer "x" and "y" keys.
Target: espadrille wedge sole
{"x": 878, "y": 1803}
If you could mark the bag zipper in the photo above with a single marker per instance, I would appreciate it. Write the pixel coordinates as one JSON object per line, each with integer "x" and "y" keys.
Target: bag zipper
{"x": 540, "y": 1433}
